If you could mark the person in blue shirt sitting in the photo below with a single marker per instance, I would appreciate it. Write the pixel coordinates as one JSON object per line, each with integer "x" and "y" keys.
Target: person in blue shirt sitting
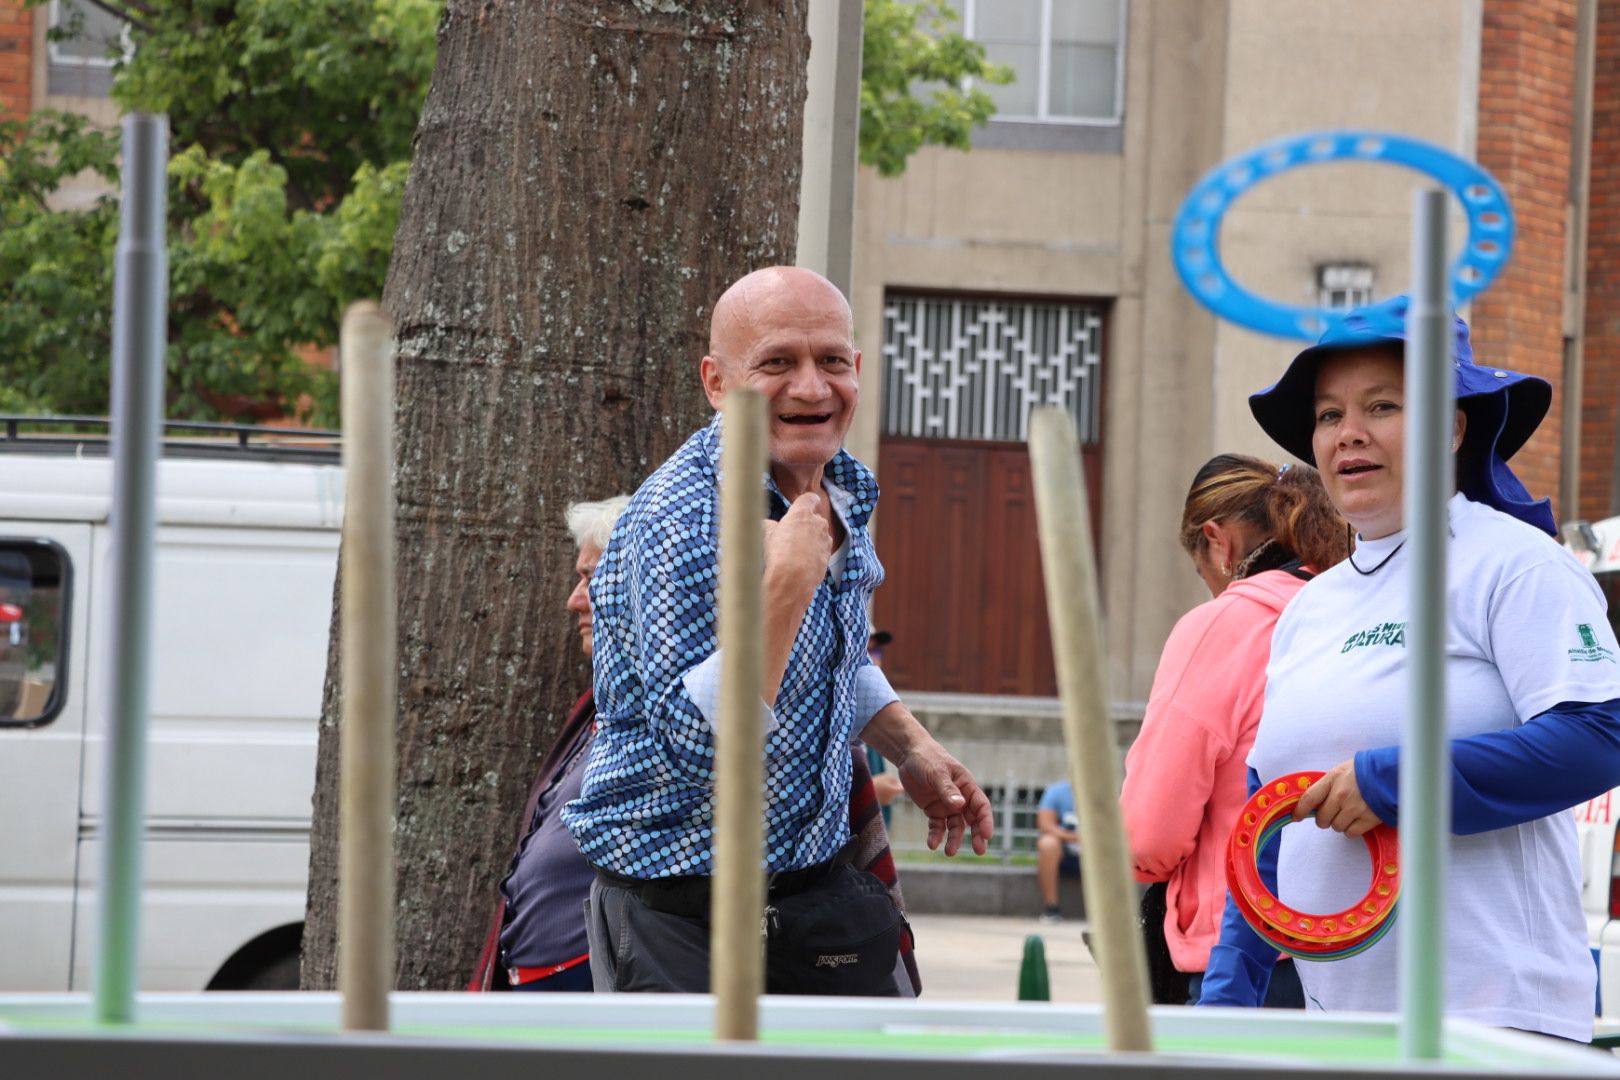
{"x": 1057, "y": 848}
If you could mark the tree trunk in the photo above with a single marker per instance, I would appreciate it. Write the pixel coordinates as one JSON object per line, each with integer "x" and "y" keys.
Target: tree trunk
{"x": 588, "y": 177}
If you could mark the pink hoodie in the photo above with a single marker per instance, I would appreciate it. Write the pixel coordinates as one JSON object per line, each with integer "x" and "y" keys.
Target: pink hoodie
{"x": 1186, "y": 776}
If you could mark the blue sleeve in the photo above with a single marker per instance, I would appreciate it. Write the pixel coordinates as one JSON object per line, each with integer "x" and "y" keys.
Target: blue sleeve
{"x": 652, "y": 599}
{"x": 1557, "y": 760}
{"x": 1052, "y": 798}
{"x": 1240, "y": 964}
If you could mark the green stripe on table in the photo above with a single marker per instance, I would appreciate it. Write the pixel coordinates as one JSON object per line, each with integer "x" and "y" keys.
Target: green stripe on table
{"x": 1306, "y": 1048}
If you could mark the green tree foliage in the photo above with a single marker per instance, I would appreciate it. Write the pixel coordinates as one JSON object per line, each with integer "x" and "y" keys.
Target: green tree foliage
{"x": 290, "y": 132}
{"x": 55, "y": 268}
{"x": 290, "y": 135}
{"x": 915, "y": 72}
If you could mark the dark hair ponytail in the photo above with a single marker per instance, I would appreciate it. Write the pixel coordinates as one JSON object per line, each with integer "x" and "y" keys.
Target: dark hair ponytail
{"x": 1287, "y": 504}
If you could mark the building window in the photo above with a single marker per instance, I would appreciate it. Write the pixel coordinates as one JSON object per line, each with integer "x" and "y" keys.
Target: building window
{"x": 84, "y": 43}
{"x": 1341, "y": 286}
{"x": 973, "y": 368}
{"x": 1066, "y": 57}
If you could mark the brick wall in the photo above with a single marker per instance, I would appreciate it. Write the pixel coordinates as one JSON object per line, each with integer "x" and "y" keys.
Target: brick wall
{"x": 1526, "y": 103}
{"x": 1600, "y": 403}
{"x": 16, "y": 59}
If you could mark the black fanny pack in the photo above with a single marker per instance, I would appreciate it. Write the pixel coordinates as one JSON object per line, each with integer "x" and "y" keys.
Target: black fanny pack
{"x": 839, "y": 936}
{"x": 829, "y": 929}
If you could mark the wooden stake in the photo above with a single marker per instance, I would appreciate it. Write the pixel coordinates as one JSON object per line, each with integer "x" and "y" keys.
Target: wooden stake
{"x": 366, "y": 846}
{"x": 736, "y": 959}
{"x": 1070, "y": 567}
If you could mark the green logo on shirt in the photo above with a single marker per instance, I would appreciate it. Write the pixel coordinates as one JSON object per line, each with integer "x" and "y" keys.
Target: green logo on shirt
{"x": 1590, "y": 652}
{"x": 1389, "y": 633}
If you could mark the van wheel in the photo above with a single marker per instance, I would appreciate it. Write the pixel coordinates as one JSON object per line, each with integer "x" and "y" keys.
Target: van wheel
{"x": 280, "y": 974}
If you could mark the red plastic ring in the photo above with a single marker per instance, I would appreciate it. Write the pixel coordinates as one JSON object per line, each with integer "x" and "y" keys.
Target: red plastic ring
{"x": 1306, "y": 934}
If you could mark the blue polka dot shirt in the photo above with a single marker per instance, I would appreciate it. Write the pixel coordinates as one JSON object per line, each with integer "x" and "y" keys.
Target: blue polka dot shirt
{"x": 646, "y": 808}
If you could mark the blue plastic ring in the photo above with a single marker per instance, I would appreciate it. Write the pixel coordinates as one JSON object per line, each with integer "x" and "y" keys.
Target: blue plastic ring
{"x": 1195, "y": 240}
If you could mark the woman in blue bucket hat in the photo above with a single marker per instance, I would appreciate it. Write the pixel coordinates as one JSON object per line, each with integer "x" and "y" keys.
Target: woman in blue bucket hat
{"x": 1533, "y": 678}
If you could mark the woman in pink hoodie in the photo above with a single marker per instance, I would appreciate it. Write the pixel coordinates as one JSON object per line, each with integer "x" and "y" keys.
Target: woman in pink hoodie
{"x": 1256, "y": 533}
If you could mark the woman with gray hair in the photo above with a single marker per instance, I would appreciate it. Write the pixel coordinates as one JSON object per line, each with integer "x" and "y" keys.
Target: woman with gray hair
{"x": 537, "y": 939}
{"x": 591, "y": 523}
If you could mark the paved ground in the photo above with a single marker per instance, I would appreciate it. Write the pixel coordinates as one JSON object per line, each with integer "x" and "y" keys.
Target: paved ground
{"x": 976, "y": 957}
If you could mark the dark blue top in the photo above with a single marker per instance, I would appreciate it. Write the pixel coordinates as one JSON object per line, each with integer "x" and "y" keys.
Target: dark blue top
{"x": 546, "y": 889}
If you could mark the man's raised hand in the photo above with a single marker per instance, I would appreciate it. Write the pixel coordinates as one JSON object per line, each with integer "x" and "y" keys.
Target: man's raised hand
{"x": 798, "y": 550}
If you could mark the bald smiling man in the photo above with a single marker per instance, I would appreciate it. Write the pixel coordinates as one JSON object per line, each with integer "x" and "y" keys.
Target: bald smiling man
{"x": 645, "y": 814}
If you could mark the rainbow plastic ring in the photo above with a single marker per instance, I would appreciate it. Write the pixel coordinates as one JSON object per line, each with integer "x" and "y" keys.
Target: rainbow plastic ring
{"x": 1195, "y": 240}
{"x": 1307, "y": 935}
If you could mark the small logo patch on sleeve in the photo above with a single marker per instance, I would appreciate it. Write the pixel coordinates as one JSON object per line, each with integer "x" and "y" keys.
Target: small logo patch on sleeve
{"x": 1590, "y": 650}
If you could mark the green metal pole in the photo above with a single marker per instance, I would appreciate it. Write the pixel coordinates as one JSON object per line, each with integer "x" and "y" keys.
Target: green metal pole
{"x": 140, "y": 318}
{"x": 1425, "y": 785}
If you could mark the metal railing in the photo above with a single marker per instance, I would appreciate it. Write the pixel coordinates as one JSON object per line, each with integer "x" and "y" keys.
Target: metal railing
{"x": 1015, "y": 803}
{"x": 180, "y": 438}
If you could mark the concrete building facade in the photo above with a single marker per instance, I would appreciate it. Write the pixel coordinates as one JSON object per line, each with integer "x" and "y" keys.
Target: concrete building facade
{"x": 1079, "y": 216}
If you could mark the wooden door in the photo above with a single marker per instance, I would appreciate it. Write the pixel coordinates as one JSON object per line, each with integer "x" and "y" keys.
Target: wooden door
{"x": 963, "y": 595}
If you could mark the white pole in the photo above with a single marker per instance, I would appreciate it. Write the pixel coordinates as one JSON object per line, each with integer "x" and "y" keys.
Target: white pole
{"x": 367, "y": 619}
{"x": 140, "y": 328}
{"x": 737, "y": 896}
{"x": 1070, "y": 567}
{"x": 1425, "y": 784}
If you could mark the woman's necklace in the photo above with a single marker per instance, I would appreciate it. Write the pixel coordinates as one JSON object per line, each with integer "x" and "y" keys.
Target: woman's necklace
{"x": 1351, "y": 558}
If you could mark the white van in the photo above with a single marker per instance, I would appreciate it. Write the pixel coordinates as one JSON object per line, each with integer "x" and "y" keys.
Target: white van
{"x": 246, "y": 554}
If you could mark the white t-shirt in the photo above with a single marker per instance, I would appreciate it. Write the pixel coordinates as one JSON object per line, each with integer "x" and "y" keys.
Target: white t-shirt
{"x": 1527, "y": 631}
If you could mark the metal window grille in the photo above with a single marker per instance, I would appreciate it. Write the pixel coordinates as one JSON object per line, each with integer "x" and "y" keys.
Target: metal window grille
{"x": 1015, "y": 804}
{"x": 961, "y": 368}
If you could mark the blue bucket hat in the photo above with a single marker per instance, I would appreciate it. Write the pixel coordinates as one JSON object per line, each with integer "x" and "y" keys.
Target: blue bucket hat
{"x": 1503, "y": 408}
